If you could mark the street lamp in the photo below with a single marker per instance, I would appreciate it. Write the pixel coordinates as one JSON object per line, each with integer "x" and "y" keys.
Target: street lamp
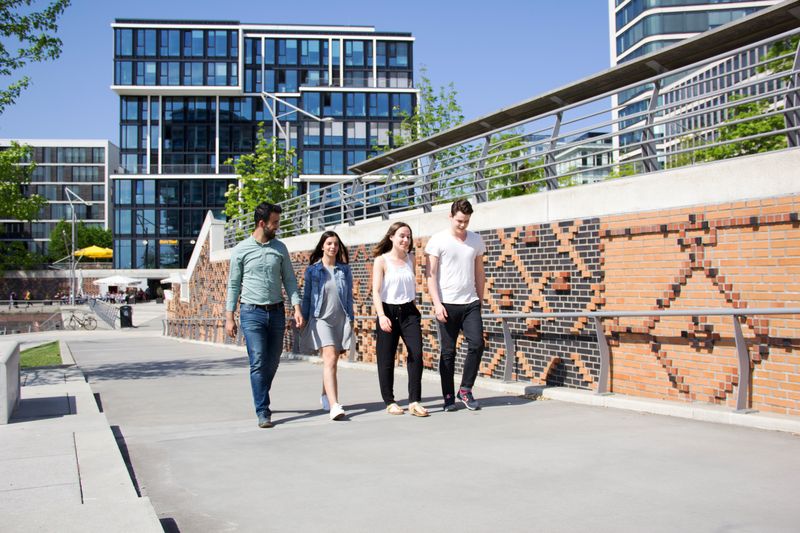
{"x": 70, "y": 194}
{"x": 273, "y": 110}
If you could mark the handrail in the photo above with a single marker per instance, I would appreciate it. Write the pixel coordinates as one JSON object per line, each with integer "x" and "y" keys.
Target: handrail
{"x": 104, "y": 310}
{"x": 683, "y": 115}
{"x": 743, "y": 357}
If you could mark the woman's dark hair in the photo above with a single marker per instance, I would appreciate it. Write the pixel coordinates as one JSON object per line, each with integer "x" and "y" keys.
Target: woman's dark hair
{"x": 341, "y": 256}
{"x": 386, "y": 244}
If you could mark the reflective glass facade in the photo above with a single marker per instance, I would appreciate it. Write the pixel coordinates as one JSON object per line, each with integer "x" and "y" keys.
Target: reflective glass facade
{"x": 193, "y": 93}
{"x": 82, "y": 166}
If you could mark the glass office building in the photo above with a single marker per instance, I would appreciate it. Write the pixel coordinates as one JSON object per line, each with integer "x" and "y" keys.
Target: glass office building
{"x": 82, "y": 166}
{"x": 639, "y": 27}
{"x": 192, "y": 94}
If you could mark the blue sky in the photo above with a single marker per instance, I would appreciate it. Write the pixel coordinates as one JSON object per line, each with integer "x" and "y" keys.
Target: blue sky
{"x": 496, "y": 53}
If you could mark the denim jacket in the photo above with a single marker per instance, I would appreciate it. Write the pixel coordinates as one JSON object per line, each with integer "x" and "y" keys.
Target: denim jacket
{"x": 315, "y": 278}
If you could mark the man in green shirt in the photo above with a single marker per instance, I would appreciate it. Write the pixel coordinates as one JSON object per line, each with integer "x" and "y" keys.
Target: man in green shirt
{"x": 260, "y": 265}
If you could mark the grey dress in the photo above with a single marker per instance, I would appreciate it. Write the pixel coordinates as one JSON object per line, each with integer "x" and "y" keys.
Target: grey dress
{"x": 331, "y": 328}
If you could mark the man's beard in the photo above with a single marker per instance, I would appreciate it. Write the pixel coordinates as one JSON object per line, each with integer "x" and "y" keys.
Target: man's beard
{"x": 269, "y": 234}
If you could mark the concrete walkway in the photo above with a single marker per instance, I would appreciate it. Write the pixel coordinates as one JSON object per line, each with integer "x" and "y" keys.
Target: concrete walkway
{"x": 183, "y": 414}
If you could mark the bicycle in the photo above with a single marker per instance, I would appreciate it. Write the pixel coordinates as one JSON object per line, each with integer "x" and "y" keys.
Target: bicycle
{"x": 87, "y": 322}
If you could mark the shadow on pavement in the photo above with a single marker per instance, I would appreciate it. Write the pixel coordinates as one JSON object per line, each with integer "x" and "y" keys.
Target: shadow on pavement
{"x": 159, "y": 369}
{"x": 41, "y": 408}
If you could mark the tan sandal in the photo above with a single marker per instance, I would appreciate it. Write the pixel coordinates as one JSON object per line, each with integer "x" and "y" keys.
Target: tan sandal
{"x": 416, "y": 409}
{"x": 394, "y": 409}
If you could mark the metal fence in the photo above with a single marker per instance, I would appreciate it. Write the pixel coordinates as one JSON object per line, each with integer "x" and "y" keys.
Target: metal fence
{"x": 744, "y": 101}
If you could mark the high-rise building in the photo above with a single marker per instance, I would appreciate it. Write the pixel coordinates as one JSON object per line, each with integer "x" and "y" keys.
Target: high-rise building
{"x": 78, "y": 164}
{"x": 639, "y": 27}
{"x": 192, "y": 95}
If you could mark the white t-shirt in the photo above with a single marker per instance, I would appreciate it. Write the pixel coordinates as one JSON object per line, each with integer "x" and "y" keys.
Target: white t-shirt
{"x": 456, "y": 265}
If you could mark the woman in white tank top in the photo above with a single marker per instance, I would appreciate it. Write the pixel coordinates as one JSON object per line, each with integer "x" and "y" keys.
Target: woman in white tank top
{"x": 394, "y": 294}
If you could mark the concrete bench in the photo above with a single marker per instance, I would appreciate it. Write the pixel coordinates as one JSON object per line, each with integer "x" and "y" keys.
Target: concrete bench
{"x": 9, "y": 379}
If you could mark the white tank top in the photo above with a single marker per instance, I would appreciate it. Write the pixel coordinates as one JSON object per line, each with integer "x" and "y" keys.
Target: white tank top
{"x": 398, "y": 282}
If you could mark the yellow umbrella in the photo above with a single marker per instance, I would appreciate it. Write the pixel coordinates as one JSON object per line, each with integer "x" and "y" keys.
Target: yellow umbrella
{"x": 95, "y": 252}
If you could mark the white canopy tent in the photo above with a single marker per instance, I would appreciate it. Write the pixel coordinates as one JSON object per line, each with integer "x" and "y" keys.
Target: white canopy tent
{"x": 121, "y": 281}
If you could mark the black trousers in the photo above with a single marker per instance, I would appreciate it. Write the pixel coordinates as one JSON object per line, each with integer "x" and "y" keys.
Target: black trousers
{"x": 466, "y": 318}
{"x": 405, "y": 320}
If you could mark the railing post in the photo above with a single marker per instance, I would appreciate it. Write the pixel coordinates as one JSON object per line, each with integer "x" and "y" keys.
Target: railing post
{"x": 386, "y": 197}
{"x": 743, "y": 359}
{"x": 649, "y": 152}
{"x": 550, "y": 158}
{"x": 791, "y": 117}
{"x": 351, "y": 208}
{"x": 426, "y": 194}
{"x": 511, "y": 351}
{"x": 605, "y": 357}
{"x": 479, "y": 184}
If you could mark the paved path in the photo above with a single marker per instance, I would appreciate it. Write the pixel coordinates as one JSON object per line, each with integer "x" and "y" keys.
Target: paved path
{"x": 183, "y": 413}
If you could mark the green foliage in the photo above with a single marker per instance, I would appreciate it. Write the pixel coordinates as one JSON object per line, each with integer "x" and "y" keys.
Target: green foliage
{"x": 512, "y": 178}
{"x": 15, "y": 173}
{"x": 14, "y": 255}
{"x": 26, "y": 35}
{"x": 85, "y": 236}
{"x": 43, "y": 355}
{"x": 261, "y": 176}
{"x": 780, "y": 48}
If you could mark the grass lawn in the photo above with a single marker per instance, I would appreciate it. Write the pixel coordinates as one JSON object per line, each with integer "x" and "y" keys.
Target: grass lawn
{"x": 45, "y": 355}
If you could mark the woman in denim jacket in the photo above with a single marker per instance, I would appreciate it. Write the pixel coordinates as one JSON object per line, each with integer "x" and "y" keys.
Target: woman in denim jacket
{"x": 328, "y": 311}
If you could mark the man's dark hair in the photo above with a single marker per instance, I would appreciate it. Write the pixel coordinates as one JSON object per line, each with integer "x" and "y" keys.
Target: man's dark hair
{"x": 461, "y": 206}
{"x": 264, "y": 210}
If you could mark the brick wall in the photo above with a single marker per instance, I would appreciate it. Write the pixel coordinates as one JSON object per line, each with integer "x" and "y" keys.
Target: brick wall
{"x": 736, "y": 255}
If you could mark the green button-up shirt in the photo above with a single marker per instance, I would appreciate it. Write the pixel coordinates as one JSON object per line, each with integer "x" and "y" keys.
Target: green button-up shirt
{"x": 257, "y": 272}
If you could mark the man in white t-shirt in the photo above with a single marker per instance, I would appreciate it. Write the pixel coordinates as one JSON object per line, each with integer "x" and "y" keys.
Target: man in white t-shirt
{"x": 455, "y": 282}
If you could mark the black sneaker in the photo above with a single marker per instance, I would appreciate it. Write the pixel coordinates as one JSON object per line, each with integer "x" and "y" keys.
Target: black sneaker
{"x": 450, "y": 408}
{"x": 465, "y": 397}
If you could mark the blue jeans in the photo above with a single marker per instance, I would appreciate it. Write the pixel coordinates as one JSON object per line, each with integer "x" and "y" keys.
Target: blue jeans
{"x": 263, "y": 334}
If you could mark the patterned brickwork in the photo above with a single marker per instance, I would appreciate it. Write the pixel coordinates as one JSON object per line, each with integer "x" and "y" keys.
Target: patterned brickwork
{"x": 740, "y": 255}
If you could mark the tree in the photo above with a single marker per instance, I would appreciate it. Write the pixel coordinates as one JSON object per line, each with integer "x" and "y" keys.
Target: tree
{"x": 435, "y": 112}
{"x": 16, "y": 168}
{"x": 509, "y": 172}
{"x": 26, "y": 36}
{"x": 85, "y": 236}
{"x": 261, "y": 176}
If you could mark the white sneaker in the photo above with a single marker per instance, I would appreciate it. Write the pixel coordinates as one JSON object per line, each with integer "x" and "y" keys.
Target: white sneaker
{"x": 337, "y": 412}
{"x": 323, "y": 401}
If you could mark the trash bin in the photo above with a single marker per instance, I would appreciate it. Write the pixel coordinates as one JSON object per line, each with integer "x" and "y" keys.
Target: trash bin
{"x": 126, "y": 316}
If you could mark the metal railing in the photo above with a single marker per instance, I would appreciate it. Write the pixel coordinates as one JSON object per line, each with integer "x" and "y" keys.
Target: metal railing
{"x": 190, "y": 328}
{"x": 105, "y": 311}
{"x": 737, "y": 103}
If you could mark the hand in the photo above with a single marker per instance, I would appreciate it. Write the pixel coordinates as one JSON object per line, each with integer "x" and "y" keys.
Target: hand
{"x": 230, "y": 327}
{"x": 385, "y": 323}
{"x": 441, "y": 312}
{"x": 298, "y": 319}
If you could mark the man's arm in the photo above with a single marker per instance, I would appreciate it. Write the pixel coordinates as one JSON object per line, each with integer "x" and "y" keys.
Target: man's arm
{"x": 480, "y": 277}
{"x": 290, "y": 284}
{"x": 234, "y": 288}
{"x": 432, "y": 273}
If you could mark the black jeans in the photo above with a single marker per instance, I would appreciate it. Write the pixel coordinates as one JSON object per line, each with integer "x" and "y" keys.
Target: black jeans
{"x": 405, "y": 320}
{"x": 466, "y": 318}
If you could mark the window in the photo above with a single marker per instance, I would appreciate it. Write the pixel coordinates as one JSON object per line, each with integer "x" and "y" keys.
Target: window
{"x": 145, "y": 192}
{"x": 311, "y": 133}
{"x": 311, "y": 162}
{"x": 170, "y": 73}
{"x": 311, "y": 103}
{"x": 356, "y": 104}
{"x": 354, "y": 53}
{"x": 336, "y": 52}
{"x": 193, "y": 43}
{"x": 216, "y": 192}
{"x": 269, "y": 52}
{"x": 146, "y": 253}
{"x": 145, "y": 43}
{"x": 122, "y": 193}
{"x": 398, "y": 54}
{"x": 333, "y": 132}
{"x": 333, "y": 162}
{"x": 129, "y": 137}
{"x": 169, "y": 221}
{"x": 192, "y": 221}
{"x": 217, "y": 74}
{"x": 287, "y": 81}
{"x": 381, "y": 54}
{"x": 217, "y": 43}
{"x": 168, "y": 192}
{"x": 357, "y": 133}
{"x": 287, "y": 51}
{"x": 124, "y": 73}
{"x": 193, "y": 192}
{"x": 379, "y": 105}
{"x": 192, "y": 73}
{"x": 122, "y": 254}
{"x": 356, "y": 156}
{"x": 168, "y": 255}
{"x": 332, "y": 104}
{"x": 146, "y": 73}
{"x": 98, "y": 193}
{"x": 124, "y": 42}
{"x": 145, "y": 221}
{"x": 402, "y": 105}
{"x": 170, "y": 43}
{"x": 122, "y": 222}
{"x": 309, "y": 52}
